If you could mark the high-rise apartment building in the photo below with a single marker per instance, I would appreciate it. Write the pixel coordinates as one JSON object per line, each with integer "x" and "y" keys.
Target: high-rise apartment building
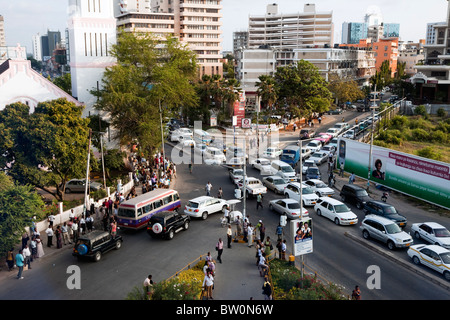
{"x": 37, "y": 47}
{"x": 352, "y": 32}
{"x": 196, "y": 23}
{"x": 240, "y": 40}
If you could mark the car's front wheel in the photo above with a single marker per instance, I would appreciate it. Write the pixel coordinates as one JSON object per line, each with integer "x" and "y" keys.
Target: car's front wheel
{"x": 186, "y": 225}
{"x": 98, "y": 256}
{"x": 416, "y": 260}
{"x": 118, "y": 245}
{"x": 171, "y": 234}
{"x": 391, "y": 245}
{"x": 366, "y": 234}
{"x": 204, "y": 215}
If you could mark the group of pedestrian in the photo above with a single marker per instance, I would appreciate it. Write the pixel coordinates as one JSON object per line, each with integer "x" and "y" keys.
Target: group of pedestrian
{"x": 209, "y": 275}
{"x": 30, "y": 250}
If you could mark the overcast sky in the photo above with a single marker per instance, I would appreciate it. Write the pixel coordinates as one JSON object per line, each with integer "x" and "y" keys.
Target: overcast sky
{"x": 25, "y": 18}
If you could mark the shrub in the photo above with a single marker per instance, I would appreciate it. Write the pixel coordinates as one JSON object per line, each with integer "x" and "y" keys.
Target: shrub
{"x": 419, "y": 135}
{"x": 439, "y": 136}
{"x": 441, "y": 113}
{"x": 421, "y": 110}
{"x": 399, "y": 122}
{"x": 391, "y": 136}
{"x": 430, "y": 153}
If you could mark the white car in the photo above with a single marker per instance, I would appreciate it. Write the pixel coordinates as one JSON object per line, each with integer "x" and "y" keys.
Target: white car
{"x": 333, "y": 143}
{"x": 261, "y": 164}
{"x": 333, "y": 132}
{"x": 253, "y": 186}
{"x": 215, "y": 154}
{"x": 319, "y": 157}
{"x": 235, "y": 162}
{"x": 432, "y": 232}
{"x": 188, "y": 143}
{"x": 432, "y": 256}
{"x": 272, "y": 153}
{"x": 314, "y": 145}
{"x": 275, "y": 183}
{"x": 335, "y": 211}
{"x": 181, "y": 134}
{"x": 289, "y": 207}
{"x": 319, "y": 187}
{"x": 236, "y": 175}
{"x": 308, "y": 163}
{"x": 203, "y": 206}
{"x": 328, "y": 149}
{"x": 349, "y": 134}
{"x": 309, "y": 197}
{"x": 306, "y": 153}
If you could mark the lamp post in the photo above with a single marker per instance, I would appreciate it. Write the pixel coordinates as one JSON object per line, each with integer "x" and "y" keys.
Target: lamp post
{"x": 372, "y": 107}
{"x": 162, "y": 135}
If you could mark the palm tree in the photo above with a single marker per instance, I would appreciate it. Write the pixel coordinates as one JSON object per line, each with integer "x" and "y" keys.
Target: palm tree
{"x": 267, "y": 92}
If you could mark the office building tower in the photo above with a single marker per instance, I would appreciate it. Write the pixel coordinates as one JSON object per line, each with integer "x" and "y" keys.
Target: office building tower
{"x": 2, "y": 32}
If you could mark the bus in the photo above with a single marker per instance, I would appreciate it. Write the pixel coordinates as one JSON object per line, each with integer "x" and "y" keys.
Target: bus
{"x": 136, "y": 212}
{"x": 291, "y": 155}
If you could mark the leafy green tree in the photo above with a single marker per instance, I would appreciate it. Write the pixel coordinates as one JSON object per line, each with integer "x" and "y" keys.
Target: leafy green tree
{"x": 267, "y": 90}
{"x": 18, "y": 204}
{"x": 303, "y": 89}
{"x": 148, "y": 73}
{"x": 64, "y": 82}
{"x": 45, "y": 148}
{"x": 344, "y": 89}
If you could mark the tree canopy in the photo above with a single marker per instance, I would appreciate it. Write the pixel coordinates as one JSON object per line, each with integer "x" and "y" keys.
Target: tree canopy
{"x": 148, "y": 72}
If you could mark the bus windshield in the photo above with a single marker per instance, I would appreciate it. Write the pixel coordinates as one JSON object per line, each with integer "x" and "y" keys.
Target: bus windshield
{"x": 126, "y": 213}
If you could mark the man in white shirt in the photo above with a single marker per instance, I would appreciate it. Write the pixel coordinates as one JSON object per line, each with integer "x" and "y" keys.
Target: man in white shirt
{"x": 49, "y": 233}
{"x": 208, "y": 188}
{"x": 208, "y": 283}
{"x": 27, "y": 256}
{"x": 250, "y": 235}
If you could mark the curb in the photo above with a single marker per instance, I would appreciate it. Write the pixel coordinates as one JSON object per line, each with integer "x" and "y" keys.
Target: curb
{"x": 398, "y": 261}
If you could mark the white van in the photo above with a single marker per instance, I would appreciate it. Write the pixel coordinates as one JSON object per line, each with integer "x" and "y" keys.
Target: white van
{"x": 284, "y": 170}
{"x": 342, "y": 126}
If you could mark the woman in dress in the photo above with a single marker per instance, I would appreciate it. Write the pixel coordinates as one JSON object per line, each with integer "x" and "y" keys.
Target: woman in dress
{"x": 39, "y": 246}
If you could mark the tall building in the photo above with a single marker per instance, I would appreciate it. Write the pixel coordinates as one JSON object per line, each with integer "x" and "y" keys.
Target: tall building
{"x": 352, "y": 32}
{"x": 240, "y": 40}
{"x": 37, "y": 47}
{"x": 291, "y": 31}
{"x": 92, "y": 32}
{"x": 2, "y": 32}
{"x": 197, "y": 23}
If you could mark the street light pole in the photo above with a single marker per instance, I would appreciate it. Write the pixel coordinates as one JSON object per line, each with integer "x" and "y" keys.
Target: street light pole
{"x": 162, "y": 135}
{"x": 372, "y": 107}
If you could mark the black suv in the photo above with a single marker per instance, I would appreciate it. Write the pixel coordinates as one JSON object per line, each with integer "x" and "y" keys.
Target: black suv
{"x": 385, "y": 210}
{"x": 354, "y": 194}
{"x": 94, "y": 244}
{"x": 166, "y": 223}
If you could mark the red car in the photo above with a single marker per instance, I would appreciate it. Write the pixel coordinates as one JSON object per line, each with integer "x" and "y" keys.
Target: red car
{"x": 324, "y": 138}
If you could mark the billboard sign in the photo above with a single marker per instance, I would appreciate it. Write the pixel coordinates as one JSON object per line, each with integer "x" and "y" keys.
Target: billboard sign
{"x": 422, "y": 178}
{"x": 302, "y": 240}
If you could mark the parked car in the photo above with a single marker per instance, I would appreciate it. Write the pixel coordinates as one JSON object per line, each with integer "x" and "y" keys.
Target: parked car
{"x": 235, "y": 162}
{"x": 95, "y": 243}
{"x": 202, "y": 207}
{"x": 319, "y": 187}
{"x": 79, "y": 185}
{"x": 292, "y": 191}
{"x": 386, "y": 231}
{"x": 289, "y": 207}
{"x": 432, "y": 232}
{"x": 319, "y": 157}
{"x": 314, "y": 145}
{"x": 335, "y": 211}
{"x": 313, "y": 172}
{"x": 165, "y": 224}
{"x": 385, "y": 210}
{"x": 335, "y": 111}
{"x": 354, "y": 194}
{"x": 432, "y": 256}
{"x": 275, "y": 183}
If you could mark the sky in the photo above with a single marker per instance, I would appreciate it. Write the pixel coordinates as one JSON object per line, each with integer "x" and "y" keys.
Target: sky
{"x": 25, "y": 18}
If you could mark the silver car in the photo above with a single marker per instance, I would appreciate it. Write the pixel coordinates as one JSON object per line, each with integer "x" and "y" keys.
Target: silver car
{"x": 289, "y": 207}
{"x": 386, "y": 231}
{"x": 79, "y": 185}
{"x": 275, "y": 183}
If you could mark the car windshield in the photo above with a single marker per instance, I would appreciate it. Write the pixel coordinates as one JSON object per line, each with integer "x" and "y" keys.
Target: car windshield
{"x": 294, "y": 205}
{"x": 287, "y": 169}
{"x": 239, "y": 172}
{"x": 321, "y": 185}
{"x": 390, "y": 210}
{"x": 442, "y": 233}
{"x": 313, "y": 170}
{"x": 393, "y": 228}
{"x": 362, "y": 193}
{"x": 279, "y": 181}
{"x": 307, "y": 190}
{"x": 312, "y": 145}
{"x": 445, "y": 257}
{"x": 341, "y": 208}
{"x": 193, "y": 204}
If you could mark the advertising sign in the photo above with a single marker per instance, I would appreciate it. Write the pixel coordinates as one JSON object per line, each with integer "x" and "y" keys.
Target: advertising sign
{"x": 418, "y": 177}
{"x": 239, "y": 108}
{"x": 246, "y": 123}
{"x": 302, "y": 239}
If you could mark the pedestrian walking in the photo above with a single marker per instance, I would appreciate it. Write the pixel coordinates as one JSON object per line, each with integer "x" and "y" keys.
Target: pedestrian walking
{"x": 319, "y": 119}
{"x": 208, "y": 189}
{"x": 267, "y": 289}
{"x": 283, "y": 250}
{"x": 341, "y": 169}
{"x": 19, "y": 263}
{"x": 49, "y": 233}
{"x": 279, "y": 231}
{"x": 219, "y": 249}
{"x": 58, "y": 234}
{"x": 351, "y": 179}
{"x": 229, "y": 236}
{"x": 220, "y": 193}
{"x": 208, "y": 283}
{"x": 259, "y": 199}
{"x": 148, "y": 286}
{"x": 356, "y": 294}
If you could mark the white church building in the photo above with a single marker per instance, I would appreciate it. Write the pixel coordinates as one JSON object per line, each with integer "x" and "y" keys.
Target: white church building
{"x": 20, "y": 83}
